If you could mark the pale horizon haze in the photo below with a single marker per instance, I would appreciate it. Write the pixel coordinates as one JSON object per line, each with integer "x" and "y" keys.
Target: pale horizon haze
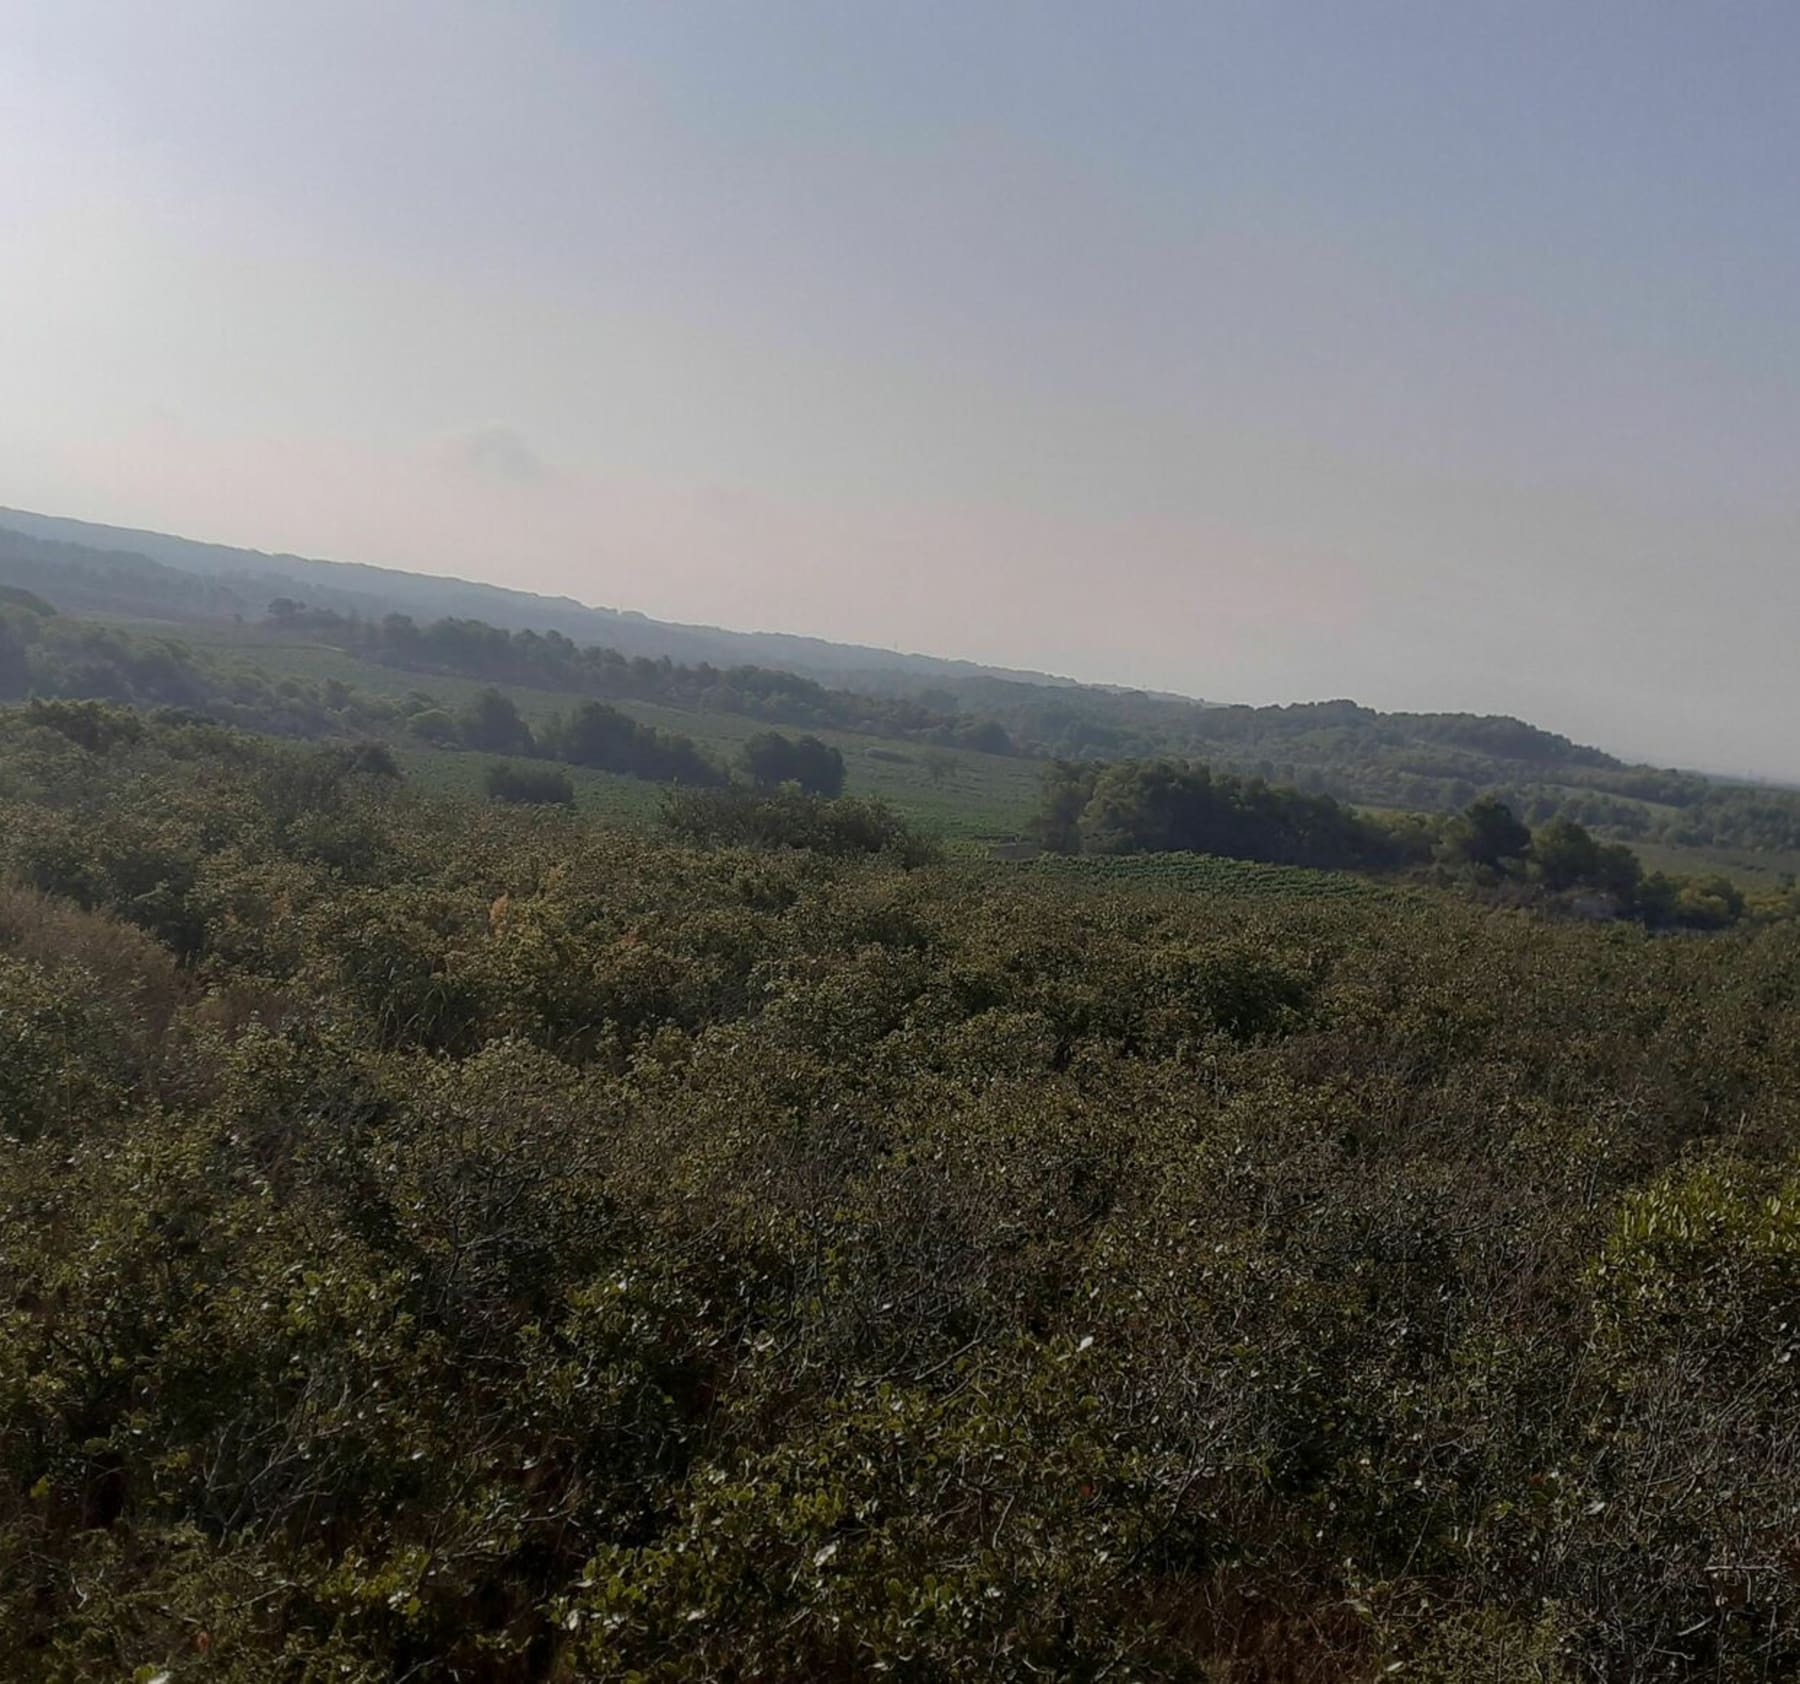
{"x": 1443, "y": 357}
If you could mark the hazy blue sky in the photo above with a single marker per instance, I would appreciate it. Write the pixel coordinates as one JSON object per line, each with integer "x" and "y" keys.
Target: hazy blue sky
{"x": 1436, "y": 354}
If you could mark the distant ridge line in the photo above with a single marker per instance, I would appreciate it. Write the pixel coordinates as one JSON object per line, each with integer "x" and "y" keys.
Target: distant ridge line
{"x": 354, "y": 586}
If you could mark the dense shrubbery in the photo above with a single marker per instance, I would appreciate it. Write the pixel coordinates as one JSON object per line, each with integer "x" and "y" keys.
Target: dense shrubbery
{"x": 787, "y": 818}
{"x": 442, "y": 1241}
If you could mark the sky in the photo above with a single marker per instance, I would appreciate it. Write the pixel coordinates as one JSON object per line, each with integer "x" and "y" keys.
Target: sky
{"x": 1441, "y": 356}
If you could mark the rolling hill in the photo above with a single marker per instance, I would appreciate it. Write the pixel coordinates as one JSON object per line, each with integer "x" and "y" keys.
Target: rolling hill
{"x": 249, "y": 579}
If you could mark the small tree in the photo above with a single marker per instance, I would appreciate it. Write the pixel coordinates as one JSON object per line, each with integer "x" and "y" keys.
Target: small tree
{"x": 1487, "y": 834}
{"x": 1565, "y": 855}
{"x": 772, "y": 760}
{"x": 603, "y": 737}
{"x": 491, "y": 722}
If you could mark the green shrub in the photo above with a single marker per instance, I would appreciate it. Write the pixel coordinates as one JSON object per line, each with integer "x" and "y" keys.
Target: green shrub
{"x": 440, "y": 1238}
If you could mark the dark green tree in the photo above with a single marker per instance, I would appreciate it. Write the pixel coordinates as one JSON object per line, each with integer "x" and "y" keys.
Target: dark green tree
{"x": 492, "y": 724}
{"x": 1487, "y": 834}
{"x": 773, "y": 759}
{"x": 1565, "y": 855}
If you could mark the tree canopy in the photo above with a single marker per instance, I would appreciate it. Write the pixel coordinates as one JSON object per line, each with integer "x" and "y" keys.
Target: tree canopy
{"x": 772, "y": 760}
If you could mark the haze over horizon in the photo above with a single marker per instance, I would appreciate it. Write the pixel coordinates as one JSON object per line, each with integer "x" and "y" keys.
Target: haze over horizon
{"x": 1442, "y": 358}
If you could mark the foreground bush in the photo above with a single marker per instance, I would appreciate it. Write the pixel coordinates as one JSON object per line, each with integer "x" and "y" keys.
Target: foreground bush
{"x": 439, "y": 1240}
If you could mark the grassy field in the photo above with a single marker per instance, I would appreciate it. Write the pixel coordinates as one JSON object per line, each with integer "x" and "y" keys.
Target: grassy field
{"x": 1748, "y": 869}
{"x": 602, "y": 796}
{"x": 984, "y": 797}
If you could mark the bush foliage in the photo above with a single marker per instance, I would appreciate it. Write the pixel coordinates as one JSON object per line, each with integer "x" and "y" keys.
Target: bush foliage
{"x": 442, "y": 1240}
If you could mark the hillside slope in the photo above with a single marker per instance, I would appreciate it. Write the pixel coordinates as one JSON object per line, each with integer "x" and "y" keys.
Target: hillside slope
{"x": 356, "y": 588}
{"x": 1419, "y": 762}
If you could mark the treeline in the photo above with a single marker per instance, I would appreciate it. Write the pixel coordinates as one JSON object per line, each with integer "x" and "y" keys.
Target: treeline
{"x": 1563, "y": 864}
{"x": 44, "y": 653}
{"x": 551, "y": 661}
{"x": 604, "y": 739}
{"x": 1419, "y": 761}
{"x": 447, "y": 1241}
{"x": 1167, "y": 806}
